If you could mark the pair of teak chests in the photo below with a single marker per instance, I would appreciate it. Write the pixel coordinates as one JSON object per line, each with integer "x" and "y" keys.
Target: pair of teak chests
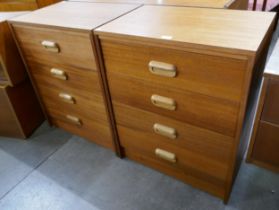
{"x": 165, "y": 86}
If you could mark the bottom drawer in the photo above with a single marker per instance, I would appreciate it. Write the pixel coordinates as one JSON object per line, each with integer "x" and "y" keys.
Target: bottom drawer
{"x": 266, "y": 145}
{"x": 177, "y": 158}
{"x": 96, "y": 131}
{"x": 183, "y": 175}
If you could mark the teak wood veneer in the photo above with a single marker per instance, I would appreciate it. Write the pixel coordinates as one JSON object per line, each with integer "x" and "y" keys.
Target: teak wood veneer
{"x": 225, "y": 4}
{"x": 264, "y": 143}
{"x": 179, "y": 81}
{"x": 24, "y": 5}
{"x": 20, "y": 112}
{"x": 58, "y": 47}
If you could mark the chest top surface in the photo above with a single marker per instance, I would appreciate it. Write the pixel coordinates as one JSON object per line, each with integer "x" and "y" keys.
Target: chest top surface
{"x": 229, "y": 29}
{"x": 76, "y": 15}
{"x": 8, "y": 15}
{"x": 193, "y": 3}
{"x": 272, "y": 67}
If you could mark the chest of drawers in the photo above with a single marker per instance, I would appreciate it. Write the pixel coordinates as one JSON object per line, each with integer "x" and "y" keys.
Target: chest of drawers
{"x": 20, "y": 111}
{"x": 58, "y": 47}
{"x": 264, "y": 142}
{"x": 19, "y": 5}
{"x": 224, "y": 4}
{"x": 179, "y": 81}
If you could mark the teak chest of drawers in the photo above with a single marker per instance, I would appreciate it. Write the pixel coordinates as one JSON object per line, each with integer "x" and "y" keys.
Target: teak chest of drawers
{"x": 264, "y": 143}
{"x": 20, "y": 111}
{"x": 223, "y": 4}
{"x": 179, "y": 81}
{"x": 57, "y": 44}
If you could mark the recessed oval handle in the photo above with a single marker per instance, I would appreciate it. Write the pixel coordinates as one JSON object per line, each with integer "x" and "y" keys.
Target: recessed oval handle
{"x": 163, "y": 154}
{"x": 165, "y": 131}
{"x": 163, "y": 102}
{"x": 67, "y": 98}
{"x": 50, "y": 46}
{"x": 74, "y": 120}
{"x": 162, "y": 69}
{"x": 59, "y": 74}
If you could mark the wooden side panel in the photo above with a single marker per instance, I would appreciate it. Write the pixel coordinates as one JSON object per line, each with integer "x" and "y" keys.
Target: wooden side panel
{"x": 8, "y": 123}
{"x": 271, "y": 105}
{"x": 267, "y": 144}
{"x": 20, "y": 112}
{"x": 239, "y": 4}
{"x": 12, "y": 70}
{"x": 17, "y": 5}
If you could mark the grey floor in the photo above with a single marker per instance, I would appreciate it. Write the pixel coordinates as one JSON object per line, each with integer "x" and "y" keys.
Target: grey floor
{"x": 54, "y": 170}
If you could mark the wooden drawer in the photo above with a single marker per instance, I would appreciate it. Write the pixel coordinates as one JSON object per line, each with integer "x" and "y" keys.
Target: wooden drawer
{"x": 209, "y": 75}
{"x": 198, "y": 180}
{"x": 270, "y": 110}
{"x": 94, "y": 130}
{"x": 204, "y": 142}
{"x": 76, "y": 79}
{"x": 68, "y": 47}
{"x": 71, "y": 102}
{"x": 185, "y": 160}
{"x": 196, "y": 109}
{"x": 266, "y": 145}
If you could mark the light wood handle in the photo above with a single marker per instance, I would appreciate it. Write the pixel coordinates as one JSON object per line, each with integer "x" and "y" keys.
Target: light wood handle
{"x": 162, "y": 69}
{"x": 50, "y": 46}
{"x": 67, "y": 98}
{"x": 74, "y": 120}
{"x": 165, "y": 131}
{"x": 165, "y": 155}
{"x": 59, "y": 74}
{"x": 163, "y": 102}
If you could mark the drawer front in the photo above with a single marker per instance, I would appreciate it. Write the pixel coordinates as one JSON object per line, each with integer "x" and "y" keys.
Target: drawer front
{"x": 209, "y": 75}
{"x": 271, "y": 104}
{"x": 8, "y": 122}
{"x": 176, "y": 157}
{"x": 204, "y": 142}
{"x": 56, "y": 46}
{"x": 202, "y": 181}
{"x": 74, "y": 78}
{"x": 82, "y": 125}
{"x": 70, "y": 101}
{"x": 196, "y": 109}
{"x": 266, "y": 144}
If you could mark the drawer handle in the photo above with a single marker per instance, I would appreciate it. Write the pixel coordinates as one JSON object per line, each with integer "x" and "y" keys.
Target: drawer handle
{"x": 59, "y": 74}
{"x": 163, "y": 102}
{"x": 162, "y": 69}
{"x": 165, "y": 155}
{"x": 67, "y": 98}
{"x": 165, "y": 131}
{"x": 50, "y": 46}
{"x": 74, "y": 120}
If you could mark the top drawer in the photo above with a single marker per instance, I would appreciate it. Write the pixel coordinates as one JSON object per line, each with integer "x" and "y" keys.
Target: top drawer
{"x": 56, "y": 46}
{"x": 209, "y": 75}
{"x": 271, "y": 104}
